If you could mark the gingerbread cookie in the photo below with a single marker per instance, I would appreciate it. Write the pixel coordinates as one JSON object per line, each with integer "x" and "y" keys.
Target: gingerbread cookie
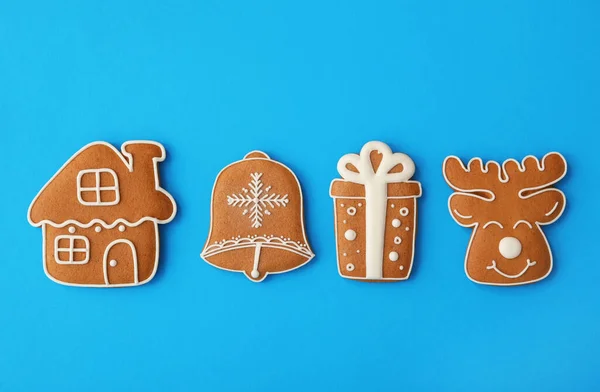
{"x": 506, "y": 205}
{"x": 375, "y": 208}
{"x": 100, "y": 214}
{"x": 257, "y": 223}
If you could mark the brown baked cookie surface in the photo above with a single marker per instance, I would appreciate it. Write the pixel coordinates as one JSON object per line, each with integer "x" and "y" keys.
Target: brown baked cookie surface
{"x": 506, "y": 205}
{"x": 100, "y": 213}
{"x": 257, "y": 222}
{"x": 375, "y": 208}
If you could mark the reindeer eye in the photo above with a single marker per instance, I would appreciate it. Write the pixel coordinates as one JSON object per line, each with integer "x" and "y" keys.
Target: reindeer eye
{"x": 493, "y": 223}
{"x": 522, "y": 222}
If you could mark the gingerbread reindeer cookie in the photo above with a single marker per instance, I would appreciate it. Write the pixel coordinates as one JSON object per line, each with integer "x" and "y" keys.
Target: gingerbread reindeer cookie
{"x": 257, "y": 222}
{"x": 375, "y": 208}
{"x": 100, "y": 214}
{"x": 506, "y": 205}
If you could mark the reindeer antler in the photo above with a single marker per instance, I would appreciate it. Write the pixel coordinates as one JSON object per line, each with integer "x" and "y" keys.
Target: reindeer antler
{"x": 517, "y": 177}
{"x": 533, "y": 174}
{"x": 476, "y": 178}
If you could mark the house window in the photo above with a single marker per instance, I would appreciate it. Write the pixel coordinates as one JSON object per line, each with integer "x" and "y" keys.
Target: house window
{"x": 71, "y": 249}
{"x": 98, "y": 187}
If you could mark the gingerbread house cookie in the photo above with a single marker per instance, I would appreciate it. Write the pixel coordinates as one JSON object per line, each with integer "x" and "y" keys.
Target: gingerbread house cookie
{"x": 257, "y": 223}
{"x": 375, "y": 208}
{"x": 100, "y": 213}
{"x": 506, "y": 205}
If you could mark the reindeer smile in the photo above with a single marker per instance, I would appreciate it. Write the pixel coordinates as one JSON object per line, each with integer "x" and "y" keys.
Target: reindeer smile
{"x": 495, "y": 268}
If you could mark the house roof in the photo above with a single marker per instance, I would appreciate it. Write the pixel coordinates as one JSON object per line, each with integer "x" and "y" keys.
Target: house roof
{"x": 141, "y": 197}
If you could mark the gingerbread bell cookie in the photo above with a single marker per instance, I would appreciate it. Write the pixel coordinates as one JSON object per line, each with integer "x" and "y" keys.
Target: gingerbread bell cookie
{"x": 100, "y": 213}
{"x": 506, "y": 205}
{"x": 257, "y": 223}
{"x": 375, "y": 208}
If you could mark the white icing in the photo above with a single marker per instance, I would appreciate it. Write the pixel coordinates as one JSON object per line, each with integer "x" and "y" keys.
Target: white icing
{"x": 401, "y": 268}
{"x": 106, "y": 263}
{"x": 127, "y": 160}
{"x": 341, "y": 204}
{"x": 97, "y": 189}
{"x": 360, "y": 204}
{"x": 71, "y": 249}
{"x": 404, "y": 211}
{"x": 510, "y": 247}
{"x": 351, "y": 211}
{"x": 71, "y": 230}
{"x": 397, "y": 240}
{"x": 350, "y": 235}
{"x": 350, "y": 267}
{"x": 524, "y": 222}
{"x": 552, "y": 210}
{"x": 407, "y": 228}
{"x": 493, "y": 223}
{"x": 463, "y": 216}
{"x": 259, "y": 200}
{"x": 296, "y": 247}
{"x": 393, "y": 205}
{"x": 254, "y": 273}
{"x": 345, "y": 254}
{"x": 375, "y": 183}
{"x": 495, "y": 268}
{"x": 394, "y": 256}
{"x": 345, "y": 221}
{"x": 396, "y": 223}
{"x": 122, "y": 228}
{"x": 504, "y": 178}
{"x": 98, "y": 229}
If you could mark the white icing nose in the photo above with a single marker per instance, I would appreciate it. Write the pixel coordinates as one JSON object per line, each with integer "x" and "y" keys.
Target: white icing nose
{"x": 510, "y": 247}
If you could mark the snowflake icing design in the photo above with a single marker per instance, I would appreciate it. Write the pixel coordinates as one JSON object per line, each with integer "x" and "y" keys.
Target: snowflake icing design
{"x": 257, "y": 200}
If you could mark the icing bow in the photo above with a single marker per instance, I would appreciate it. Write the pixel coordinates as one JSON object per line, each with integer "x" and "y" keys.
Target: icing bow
{"x": 366, "y": 173}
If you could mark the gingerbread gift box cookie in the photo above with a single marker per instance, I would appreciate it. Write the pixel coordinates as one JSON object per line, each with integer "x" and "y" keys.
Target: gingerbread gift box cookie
{"x": 506, "y": 205}
{"x": 375, "y": 208}
{"x": 257, "y": 222}
{"x": 100, "y": 213}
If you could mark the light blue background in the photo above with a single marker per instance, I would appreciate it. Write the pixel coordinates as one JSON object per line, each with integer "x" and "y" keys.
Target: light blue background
{"x": 307, "y": 82}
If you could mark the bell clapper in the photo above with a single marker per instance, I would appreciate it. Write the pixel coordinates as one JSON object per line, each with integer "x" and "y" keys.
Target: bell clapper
{"x": 255, "y": 274}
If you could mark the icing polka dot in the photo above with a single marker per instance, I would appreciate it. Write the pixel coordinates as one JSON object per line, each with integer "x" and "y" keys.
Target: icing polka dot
{"x": 113, "y": 263}
{"x": 71, "y": 230}
{"x": 345, "y": 221}
{"x": 350, "y": 235}
{"x": 394, "y": 256}
{"x": 407, "y": 228}
{"x": 341, "y": 205}
{"x": 397, "y": 240}
{"x": 121, "y": 228}
{"x": 358, "y": 251}
{"x": 255, "y": 274}
{"x": 393, "y": 206}
{"x": 350, "y": 267}
{"x": 404, "y": 211}
{"x": 98, "y": 229}
{"x": 396, "y": 223}
{"x": 401, "y": 268}
{"x": 360, "y": 204}
{"x": 351, "y": 211}
{"x": 345, "y": 254}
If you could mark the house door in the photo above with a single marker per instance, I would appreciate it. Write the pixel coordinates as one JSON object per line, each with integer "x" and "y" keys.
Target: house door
{"x": 120, "y": 263}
